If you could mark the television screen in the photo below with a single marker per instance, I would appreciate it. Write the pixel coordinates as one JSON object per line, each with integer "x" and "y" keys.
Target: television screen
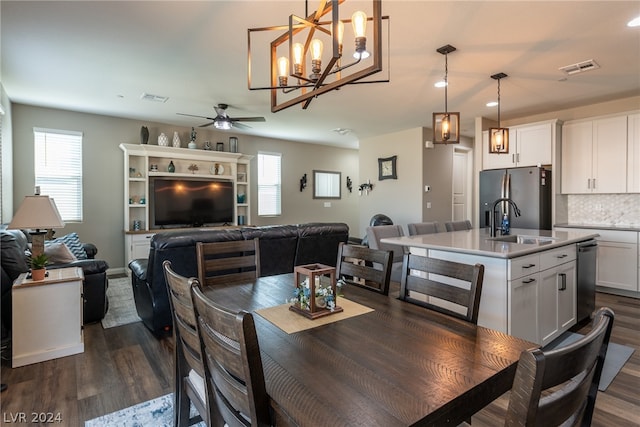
{"x": 190, "y": 202}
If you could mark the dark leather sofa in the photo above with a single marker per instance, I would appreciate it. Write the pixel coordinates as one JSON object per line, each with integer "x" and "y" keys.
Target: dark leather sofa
{"x": 14, "y": 262}
{"x": 281, "y": 248}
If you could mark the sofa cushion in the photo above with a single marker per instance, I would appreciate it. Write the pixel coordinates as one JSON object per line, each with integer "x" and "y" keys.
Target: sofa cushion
{"x": 59, "y": 253}
{"x": 13, "y": 257}
{"x": 73, "y": 243}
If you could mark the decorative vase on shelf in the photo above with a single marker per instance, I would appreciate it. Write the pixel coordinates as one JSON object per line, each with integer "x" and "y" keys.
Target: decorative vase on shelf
{"x": 163, "y": 141}
{"x": 176, "y": 140}
{"x": 192, "y": 145}
{"x": 233, "y": 144}
{"x": 171, "y": 167}
{"x": 144, "y": 135}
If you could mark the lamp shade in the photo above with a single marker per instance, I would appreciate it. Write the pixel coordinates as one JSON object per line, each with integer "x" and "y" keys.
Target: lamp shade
{"x": 37, "y": 212}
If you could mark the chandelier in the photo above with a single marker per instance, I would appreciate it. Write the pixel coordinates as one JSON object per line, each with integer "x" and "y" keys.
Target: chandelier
{"x": 446, "y": 125}
{"x": 498, "y": 137}
{"x": 306, "y": 58}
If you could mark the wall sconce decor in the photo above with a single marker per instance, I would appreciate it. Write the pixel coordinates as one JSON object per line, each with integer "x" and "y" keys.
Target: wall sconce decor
{"x": 303, "y": 182}
{"x": 349, "y": 185}
{"x": 446, "y": 125}
{"x": 299, "y": 46}
{"x": 498, "y": 137}
{"x": 366, "y": 187}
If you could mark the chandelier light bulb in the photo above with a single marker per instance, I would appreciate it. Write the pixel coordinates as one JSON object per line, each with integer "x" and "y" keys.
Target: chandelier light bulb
{"x": 359, "y": 22}
{"x": 298, "y": 55}
{"x": 340, "y": 32}
{"x": 446, "y": 128}
{"x": 283, "y": 70}
{"x": 316, "y": 50}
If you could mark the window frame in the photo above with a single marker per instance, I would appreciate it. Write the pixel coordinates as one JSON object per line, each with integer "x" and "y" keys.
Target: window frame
{"x": 269, "y": 187}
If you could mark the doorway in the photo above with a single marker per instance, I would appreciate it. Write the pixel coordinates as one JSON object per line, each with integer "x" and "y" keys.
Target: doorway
{"x": 462, "y": 184}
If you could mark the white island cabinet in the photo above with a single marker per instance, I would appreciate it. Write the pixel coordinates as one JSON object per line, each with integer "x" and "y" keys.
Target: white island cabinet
{"x": 529, "y": 289}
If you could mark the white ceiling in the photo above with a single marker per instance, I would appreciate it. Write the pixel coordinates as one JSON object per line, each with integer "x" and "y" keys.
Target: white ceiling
{"x": 99, "y": 57}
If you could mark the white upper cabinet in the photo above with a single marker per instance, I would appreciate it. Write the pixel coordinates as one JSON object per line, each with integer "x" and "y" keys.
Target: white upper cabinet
{"x": 633, "y": 153}
{"x": 529, "y": 145}
{"x": 594, "y": 156}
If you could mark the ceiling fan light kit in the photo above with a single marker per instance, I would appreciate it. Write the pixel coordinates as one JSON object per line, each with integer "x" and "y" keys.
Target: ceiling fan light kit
{"x": 446, "y": 125}
{"x": 498, "y": 136}
{"x": 300, "y": 46}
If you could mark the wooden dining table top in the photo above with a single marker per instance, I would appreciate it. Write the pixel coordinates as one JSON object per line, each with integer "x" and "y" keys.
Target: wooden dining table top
{"x": 398, "y": 365}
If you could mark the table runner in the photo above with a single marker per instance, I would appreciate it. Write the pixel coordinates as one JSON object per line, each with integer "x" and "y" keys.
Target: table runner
{"x": 291, "y": 322}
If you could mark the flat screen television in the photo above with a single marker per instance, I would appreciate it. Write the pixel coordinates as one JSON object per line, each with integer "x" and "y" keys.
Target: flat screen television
{"x": 185, "y": 202}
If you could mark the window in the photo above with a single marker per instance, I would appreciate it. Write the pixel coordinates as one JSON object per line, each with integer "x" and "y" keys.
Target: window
{"x": 269, "y": 184}
{"x": 58, "y": 169}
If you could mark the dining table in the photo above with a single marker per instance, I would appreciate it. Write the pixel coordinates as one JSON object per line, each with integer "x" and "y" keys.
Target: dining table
{"x": 393, "y": 364}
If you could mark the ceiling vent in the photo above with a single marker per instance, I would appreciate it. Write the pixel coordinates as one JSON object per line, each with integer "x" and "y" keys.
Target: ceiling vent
{"x": 580, "y": 67}
{"x": 153, "y": 98}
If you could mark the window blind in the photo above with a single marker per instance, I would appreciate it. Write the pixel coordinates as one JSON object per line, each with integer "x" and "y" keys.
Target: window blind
{"x": 58, "y": 169}
{"x": 269, "y": 184}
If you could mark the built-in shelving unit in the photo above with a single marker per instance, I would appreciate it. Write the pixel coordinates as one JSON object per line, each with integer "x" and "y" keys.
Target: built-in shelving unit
{"x": 143, "y": 161}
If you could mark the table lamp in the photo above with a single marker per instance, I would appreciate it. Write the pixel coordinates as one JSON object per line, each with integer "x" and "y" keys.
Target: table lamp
{"x": 37, "y": 213}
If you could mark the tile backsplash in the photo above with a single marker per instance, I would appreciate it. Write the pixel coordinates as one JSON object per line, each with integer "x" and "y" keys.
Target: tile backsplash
{"x": 604, "y": 209}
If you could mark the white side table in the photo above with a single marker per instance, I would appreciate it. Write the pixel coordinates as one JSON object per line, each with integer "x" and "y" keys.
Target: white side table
{"x": 47, "y": 316}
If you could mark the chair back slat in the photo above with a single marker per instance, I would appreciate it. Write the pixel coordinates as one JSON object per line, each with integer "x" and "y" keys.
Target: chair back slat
{"x": 187, "y": 354}
{"x": 230, "y": 347}
{"x": 364, "y": 267}
{"x": 453, "y": 282}
{"x": 227, "y": 262}
{"x": 560, "y": 386}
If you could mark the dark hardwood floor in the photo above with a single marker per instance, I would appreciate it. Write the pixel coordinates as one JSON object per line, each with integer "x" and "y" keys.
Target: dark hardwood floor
{"x": 126, "y": 365}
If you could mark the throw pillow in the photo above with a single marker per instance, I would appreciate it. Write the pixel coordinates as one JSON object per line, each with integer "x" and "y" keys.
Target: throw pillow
{"x": 59, "y": 253}
{"x": 73, "y": 243}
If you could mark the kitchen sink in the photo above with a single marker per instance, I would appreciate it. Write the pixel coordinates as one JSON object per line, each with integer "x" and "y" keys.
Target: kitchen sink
{"x": 525, "y": 240}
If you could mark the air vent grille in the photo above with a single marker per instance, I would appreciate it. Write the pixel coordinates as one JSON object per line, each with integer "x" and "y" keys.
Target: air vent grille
{"x": 153, "y": 98}
{"x": 580, "y": 67}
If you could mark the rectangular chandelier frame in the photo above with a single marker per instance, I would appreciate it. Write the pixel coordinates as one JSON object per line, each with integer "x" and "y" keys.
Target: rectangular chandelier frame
{"x": 310, "y": 89}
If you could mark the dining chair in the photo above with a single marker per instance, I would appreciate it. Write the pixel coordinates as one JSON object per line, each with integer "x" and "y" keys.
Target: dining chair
{"x": 433, "y": 280}
{"x": 228, "y": 262}
{"x": 417, "y": 228}
{"x": 457, "y": 225}
{"x": 364, "y": 267}
{"x": 188, "y": 366}
{"x": 233, "y": 368}
{"x": 375, "y": 233}
{"x": 560, "y": 386}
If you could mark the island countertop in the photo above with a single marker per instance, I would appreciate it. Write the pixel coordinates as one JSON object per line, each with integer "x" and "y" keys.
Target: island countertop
{"x": 478, "y": 242}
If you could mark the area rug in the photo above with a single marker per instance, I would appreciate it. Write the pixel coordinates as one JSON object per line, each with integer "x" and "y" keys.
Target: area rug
{"x": 291, "y": 322}
{"x": 122, "y": 308}
{"x": 157, "y": 412}
{"x": 617, "y": 356}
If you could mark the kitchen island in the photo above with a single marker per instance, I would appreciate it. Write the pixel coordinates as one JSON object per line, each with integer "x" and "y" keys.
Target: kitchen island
{"x": 529, "y": 286}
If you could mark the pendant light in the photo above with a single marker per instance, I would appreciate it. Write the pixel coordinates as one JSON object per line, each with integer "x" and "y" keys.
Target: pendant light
{"x": 446, "y": 125}
{"x": 498, "y": 137}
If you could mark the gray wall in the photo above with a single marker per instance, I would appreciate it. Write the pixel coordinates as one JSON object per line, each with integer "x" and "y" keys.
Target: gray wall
{"x": 103, "y": 172}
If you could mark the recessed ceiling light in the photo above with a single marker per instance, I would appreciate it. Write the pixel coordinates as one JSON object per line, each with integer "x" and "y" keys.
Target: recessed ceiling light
{"x": 492, "y": 104}
{"x": 635, "y": 22}
{"x": 441, "y": 83}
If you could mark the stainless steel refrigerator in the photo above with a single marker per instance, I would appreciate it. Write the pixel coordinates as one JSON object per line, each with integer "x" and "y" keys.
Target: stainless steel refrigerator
{"x": 529, "y": 188}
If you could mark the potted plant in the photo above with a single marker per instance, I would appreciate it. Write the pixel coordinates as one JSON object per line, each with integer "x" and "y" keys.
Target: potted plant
{"x": 38, "y": 264}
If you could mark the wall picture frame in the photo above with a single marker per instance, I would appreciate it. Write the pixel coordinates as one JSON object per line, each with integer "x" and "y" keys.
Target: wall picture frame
{"x": 387, "y": 168}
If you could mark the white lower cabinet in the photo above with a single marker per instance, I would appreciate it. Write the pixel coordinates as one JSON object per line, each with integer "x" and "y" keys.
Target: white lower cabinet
{"x": 137, "y": 246}
{"x": 543, "y": 302}
{"x": 617, "y": 265}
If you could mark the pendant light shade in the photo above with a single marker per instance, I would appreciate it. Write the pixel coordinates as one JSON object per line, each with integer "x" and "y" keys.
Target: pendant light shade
{"x": 498, "y": 136}
{"x": 446, "y": 125}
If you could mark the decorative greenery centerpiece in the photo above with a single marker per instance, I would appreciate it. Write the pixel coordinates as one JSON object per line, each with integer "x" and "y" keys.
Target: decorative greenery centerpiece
{"x": 315, "y": 291}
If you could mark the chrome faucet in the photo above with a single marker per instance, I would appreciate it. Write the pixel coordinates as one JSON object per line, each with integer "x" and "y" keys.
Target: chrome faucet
{"x": 492, "y": 213}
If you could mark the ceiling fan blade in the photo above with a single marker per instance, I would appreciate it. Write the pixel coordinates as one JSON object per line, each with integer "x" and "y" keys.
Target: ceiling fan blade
{"x": 240, "y": 125}
{"x": 248, "y": 119}
{"x": 205, "y": 125}
{"x": 193, "y": 115}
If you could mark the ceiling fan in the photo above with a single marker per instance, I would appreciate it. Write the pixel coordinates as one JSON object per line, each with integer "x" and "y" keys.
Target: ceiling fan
{"x": 222, "y": 120}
